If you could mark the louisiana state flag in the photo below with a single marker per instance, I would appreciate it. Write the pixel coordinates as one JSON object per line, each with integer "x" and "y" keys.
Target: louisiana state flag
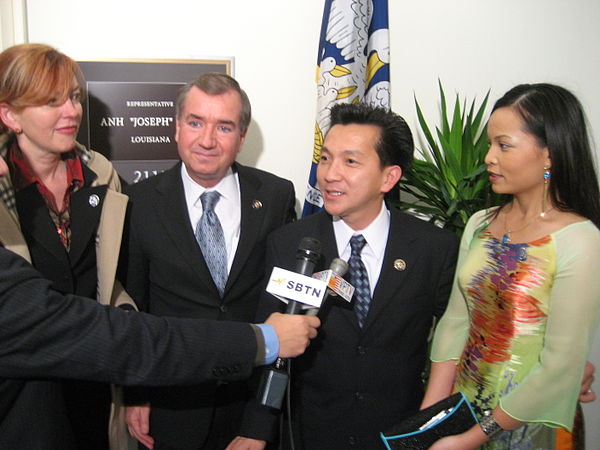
{"x": 352, "y": 66}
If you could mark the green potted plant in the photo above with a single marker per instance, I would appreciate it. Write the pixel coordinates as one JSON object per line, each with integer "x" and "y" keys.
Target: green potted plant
{"x": 448, "y": 181}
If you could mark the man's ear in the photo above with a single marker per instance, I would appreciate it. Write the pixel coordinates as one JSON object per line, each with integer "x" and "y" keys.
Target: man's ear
{"x": 391, "y": 176}
{"x": 243, "y": 136}
{"x": 177, "y": 125}
{"x": 242, "y": 140}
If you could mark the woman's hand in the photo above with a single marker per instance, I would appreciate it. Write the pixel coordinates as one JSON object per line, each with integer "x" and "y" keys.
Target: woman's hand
{"x": 449, "y": 443}
{"x": 469, "y": 440}
{"x": 244, "y": 443}
{"x": 587, "y": 394}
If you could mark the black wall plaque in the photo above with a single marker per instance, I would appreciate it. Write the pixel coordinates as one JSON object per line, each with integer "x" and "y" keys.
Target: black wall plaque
{"x": 129, "y": 112}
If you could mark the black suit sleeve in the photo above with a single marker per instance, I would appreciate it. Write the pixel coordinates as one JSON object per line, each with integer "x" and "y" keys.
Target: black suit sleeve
{"x": 46, "y": 334}
{"x": 260, "y": 422}
{"x": 290, "y": 208}
{"x": 268, "y": 303}
{"x": 133, "y": 265}
{"x": 133, "y": 273}
{"x": 448, "y": 267}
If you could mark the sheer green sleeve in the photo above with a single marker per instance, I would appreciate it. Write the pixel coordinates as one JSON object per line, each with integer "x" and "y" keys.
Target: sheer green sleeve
{"x": 549, "y": 392}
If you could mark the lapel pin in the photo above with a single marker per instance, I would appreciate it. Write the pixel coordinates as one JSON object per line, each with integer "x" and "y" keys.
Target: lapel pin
{"x": 256, "y": 204}
{"x": 399, "y": 265}
{"x": 94, "y": 200}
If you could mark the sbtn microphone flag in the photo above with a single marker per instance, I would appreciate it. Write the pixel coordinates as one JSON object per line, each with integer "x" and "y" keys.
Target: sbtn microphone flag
{"x": 352, "y": 67}
{"x": 287, "y": 285}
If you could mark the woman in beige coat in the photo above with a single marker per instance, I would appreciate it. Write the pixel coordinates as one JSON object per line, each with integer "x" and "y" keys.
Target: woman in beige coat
{"x": 61, "y": 209}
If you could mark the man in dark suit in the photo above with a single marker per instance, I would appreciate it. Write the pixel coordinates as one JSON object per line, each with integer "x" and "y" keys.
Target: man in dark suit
{"x": 44, "y": 334}
{"x": 364, "y": 370}
{"x": 170, "y": 273}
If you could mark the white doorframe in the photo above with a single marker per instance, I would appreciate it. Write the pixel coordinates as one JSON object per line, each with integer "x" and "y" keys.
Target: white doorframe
{"x": 13, "y": 23}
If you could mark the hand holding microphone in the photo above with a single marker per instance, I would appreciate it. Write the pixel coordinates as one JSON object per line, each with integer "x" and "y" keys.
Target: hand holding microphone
{"x": 294, "y": 333}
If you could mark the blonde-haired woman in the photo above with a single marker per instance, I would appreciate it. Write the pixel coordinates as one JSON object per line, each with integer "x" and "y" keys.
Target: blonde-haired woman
{"x": 61, "y": 209}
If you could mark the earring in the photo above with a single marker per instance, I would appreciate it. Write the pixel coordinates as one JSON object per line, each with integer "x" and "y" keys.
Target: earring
{"x": 17, "y": 131}
{"x": 545, "y": 194}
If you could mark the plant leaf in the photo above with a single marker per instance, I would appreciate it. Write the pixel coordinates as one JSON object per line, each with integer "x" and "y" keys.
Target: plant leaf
{"x": 450, "y": 182}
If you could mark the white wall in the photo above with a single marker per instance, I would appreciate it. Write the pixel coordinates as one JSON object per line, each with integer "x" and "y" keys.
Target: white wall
{"x": 471, "y": 45}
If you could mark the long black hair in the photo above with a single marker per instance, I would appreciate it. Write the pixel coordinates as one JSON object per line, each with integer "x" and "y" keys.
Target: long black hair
{"x": 555, "y": 117}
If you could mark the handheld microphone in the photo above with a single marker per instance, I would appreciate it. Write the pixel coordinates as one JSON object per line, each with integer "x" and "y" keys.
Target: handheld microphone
{"x": 307, "y": 256}
{"x": 275, "y": 379}
{"x": 339, "y": 267}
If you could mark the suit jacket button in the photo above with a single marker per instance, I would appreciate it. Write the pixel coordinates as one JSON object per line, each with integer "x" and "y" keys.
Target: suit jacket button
{"x": 215, "y": 371}
{"x": 352, "y": 440}
{"x": 360, "y": 350}
{"x": 359, "y": 396}
{"x": 223, "y": 308}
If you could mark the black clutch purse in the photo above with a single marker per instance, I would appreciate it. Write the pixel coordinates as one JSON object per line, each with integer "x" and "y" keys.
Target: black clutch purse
{"x": 453, "y": 415}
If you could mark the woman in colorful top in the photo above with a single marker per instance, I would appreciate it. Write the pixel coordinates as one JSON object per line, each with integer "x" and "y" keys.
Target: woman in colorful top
{"x": 526, "y": 298}
{"x": 61, "y": 209}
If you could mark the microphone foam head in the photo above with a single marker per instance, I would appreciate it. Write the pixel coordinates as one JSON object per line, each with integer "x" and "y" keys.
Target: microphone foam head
{"x": 310, "y": 245}
{"x": 309, "y": 248}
